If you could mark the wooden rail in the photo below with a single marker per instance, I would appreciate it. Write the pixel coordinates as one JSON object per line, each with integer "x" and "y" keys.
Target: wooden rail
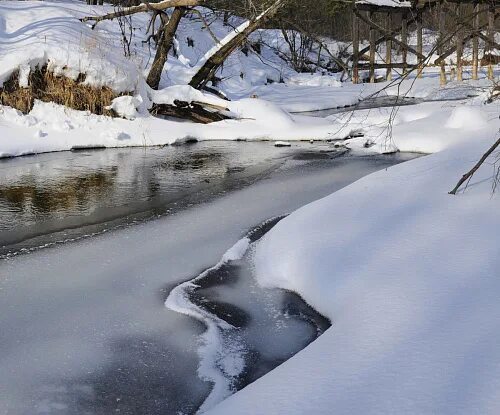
{"x": 411, "y": 14}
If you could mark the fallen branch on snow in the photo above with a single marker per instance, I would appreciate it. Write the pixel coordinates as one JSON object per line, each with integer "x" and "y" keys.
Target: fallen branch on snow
{"x": 470, "y": 173}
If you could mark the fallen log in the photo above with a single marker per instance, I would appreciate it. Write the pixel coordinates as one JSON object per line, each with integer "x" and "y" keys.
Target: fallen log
{"x": 191, "y": 111}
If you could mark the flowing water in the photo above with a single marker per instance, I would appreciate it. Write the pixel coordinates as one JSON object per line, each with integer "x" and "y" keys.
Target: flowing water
{"x": 94, "y": 242}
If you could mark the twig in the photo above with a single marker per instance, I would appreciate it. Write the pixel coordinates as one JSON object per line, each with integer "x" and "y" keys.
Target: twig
{"x": 469, "y": 174}
{"x": 206, "y": 24}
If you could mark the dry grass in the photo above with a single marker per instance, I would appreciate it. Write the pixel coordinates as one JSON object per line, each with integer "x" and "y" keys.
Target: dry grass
{"x": 45, "y": 86}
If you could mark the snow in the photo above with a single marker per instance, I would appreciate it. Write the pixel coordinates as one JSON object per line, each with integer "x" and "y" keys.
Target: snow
{"x": 424, "y": 128}
{"x": 386, "y": 3}
{"x": 183, "y": 93}
{"x": 408, "y": 275}
{"x": 262, "y": 87}
{"x": 126, "y": 106}
{"x": 262, "y": 118}
{"x": 230, "y": 36}
{"x": 302, "y": 98}
{"x": 237, "y": 251}
{"x": 65, "y": 129}
{"x": 35, "y": 33}
{"x": 466, "y": 118}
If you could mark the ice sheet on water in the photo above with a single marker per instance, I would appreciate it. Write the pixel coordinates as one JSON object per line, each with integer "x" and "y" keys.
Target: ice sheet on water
{"x": 84, "y": 324}
{"x": 249, "y": 330}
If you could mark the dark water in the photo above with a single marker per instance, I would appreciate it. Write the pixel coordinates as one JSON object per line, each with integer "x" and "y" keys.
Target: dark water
{"x": 84, "y": 328}
{"x": 271, "y": 325}
{"x": 60, "y": 196}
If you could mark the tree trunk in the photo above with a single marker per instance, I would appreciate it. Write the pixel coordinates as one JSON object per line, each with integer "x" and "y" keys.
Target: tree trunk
{"x": 164, "y": 46}
{"x": 372, "y": 49}
{"x": 209, "y": 68}
{"x": 355, "y": 48}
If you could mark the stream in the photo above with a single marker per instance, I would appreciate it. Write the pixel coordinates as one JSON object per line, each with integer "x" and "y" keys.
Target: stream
{"x": 117, "y": 290}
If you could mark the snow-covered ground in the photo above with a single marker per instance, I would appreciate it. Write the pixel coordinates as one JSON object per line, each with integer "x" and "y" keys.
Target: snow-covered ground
{"x": 36, "y": 33}
{"x": 408, "y": 275}
{"x": 51, "y": 127}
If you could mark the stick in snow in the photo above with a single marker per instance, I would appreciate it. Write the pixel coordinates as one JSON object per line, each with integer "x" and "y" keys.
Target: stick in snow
{"x": 469, "y": 174}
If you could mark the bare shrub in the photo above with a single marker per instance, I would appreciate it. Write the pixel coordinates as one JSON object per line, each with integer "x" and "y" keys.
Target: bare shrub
{"x": 45, "y": 86}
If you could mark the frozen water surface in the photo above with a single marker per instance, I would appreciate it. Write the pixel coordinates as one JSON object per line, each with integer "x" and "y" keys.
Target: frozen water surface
{"x": 84, "y": 328}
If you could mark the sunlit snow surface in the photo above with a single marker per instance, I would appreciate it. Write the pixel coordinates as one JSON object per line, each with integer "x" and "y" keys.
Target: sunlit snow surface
{"x": 84, "y": 328}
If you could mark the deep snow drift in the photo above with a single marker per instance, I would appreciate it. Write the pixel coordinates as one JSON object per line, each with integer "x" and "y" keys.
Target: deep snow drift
{"x": 408, "y": 275}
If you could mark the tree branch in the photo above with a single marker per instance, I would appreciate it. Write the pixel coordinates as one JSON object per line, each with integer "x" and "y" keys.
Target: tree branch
{"x": 144, "y": 7}
{"x": 220, "y": 53}
{"x": 469, "y": 174}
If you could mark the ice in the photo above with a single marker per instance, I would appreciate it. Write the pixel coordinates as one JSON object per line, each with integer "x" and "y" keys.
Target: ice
{"x": 84, "y": 325}
{"x": 249, "y": 331}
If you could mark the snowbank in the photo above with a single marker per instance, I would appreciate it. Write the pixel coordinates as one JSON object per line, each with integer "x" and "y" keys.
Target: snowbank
{"x": 428, "y": 127}
{"x": 408, "y": 276}
{"x": 51, "y": 127}
{"x": 35, "y": 33}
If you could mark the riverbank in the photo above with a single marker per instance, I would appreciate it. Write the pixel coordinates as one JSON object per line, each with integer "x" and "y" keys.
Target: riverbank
{"x": 90, "y": 314}
{"x": 408, "y": 275}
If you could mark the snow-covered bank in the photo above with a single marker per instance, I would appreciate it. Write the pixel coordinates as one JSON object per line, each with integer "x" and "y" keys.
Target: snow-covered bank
{"x": 426, "y": 127}
{"x": 49, "y": 33}
{"x": 409, "y": 277}
{"x": 34, "y": 34}
{"x": 51, "y": 127}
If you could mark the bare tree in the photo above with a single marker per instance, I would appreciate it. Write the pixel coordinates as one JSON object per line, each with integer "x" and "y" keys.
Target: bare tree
{"x": 165, "y": 35}
{"x": 164, "y": 45}
{"x": 219, "y": 54}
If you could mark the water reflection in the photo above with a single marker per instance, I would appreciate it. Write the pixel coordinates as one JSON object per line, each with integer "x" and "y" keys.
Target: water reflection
{"x": 57, "y": 192}
{"x": 68, "y": 193}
